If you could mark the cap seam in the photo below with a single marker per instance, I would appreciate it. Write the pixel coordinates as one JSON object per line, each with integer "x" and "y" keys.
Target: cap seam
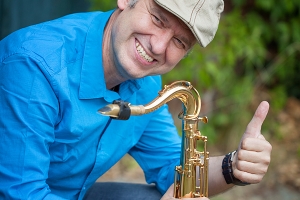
{"x": 195, "y": 15}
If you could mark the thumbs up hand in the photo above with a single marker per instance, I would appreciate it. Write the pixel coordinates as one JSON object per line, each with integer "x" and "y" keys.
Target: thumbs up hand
{"x": 252, "y": 159}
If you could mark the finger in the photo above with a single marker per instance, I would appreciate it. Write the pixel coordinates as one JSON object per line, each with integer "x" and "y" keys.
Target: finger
{"x": 252, "y": 168}
{"x": 254, "y": 126}
{"x": 248, "y": 177}
{"x": 261, "y": 154}
{"x": 251, "y": 156}
{"x": 255, "y": 144}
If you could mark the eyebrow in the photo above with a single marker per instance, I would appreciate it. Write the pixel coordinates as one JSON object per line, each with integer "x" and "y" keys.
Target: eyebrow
{"x": 161, "y": 15}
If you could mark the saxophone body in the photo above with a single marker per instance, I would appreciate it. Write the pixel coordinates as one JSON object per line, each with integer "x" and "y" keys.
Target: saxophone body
{"x": 191, "y": 176}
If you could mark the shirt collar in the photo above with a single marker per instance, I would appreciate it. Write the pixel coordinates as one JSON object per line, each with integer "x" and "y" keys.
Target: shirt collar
{"x": 92, "y": 82}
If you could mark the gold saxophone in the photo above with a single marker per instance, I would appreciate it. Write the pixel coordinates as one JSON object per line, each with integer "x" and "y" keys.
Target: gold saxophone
{"x": 191, "y": 176}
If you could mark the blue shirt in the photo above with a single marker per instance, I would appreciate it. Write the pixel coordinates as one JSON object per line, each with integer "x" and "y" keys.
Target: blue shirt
{"x": 53, "y": 142}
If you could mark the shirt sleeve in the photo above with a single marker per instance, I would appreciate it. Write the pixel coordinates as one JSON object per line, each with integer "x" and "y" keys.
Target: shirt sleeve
{"x": 158, "y": 150}
{"x": 28, "y": 113}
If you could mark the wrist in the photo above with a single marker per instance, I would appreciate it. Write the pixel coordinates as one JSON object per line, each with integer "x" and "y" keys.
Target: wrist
{"x": 227, "y": 170}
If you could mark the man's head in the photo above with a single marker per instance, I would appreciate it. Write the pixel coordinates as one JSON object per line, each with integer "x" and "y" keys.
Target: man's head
{"x": 147, "y": 39}
{"x": 201, "y": 16}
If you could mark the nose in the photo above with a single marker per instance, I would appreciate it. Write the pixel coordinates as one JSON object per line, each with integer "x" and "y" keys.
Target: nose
{"x": 160, "y": 41}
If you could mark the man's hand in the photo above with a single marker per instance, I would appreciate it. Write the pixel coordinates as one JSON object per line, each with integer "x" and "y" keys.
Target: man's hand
{"x": 252, "y": 159}
{"x": 169, "y": 195}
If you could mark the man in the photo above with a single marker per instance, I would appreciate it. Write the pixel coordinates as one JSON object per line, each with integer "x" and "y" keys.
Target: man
{"x": 54, "y": 77}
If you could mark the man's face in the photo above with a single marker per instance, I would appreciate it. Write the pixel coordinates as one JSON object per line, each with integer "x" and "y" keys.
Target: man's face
{"x": 148, "y": 40}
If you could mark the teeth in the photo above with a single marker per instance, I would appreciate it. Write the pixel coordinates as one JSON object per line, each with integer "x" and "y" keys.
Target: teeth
{"x": 142, "y": 52}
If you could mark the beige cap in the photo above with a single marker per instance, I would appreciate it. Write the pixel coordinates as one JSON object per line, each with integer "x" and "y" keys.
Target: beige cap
{"x": 201, "y": 16}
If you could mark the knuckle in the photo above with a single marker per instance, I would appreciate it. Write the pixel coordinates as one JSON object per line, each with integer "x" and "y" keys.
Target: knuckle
{"x": 257, "y": 179}
{"x": 237, "y": 174}
{"x": 263, "y": 170}
{"x": 238, "y": 166}
{"x": 243, "y": 177}
{"x": 268, "y": 160}
{"x": 269, "y": 147}
{"x": 240, "y": 154}
{"x": 245, "y": 143}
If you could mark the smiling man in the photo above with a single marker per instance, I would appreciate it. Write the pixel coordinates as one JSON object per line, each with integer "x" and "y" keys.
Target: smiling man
{"x": 54, "y": 76}
{"x": 152, "y": 42}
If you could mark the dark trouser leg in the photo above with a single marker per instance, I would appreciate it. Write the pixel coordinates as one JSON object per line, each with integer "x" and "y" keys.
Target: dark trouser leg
{"x": 122, "y": 191}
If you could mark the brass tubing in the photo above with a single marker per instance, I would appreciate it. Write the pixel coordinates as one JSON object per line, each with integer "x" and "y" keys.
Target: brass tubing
{"x": 185, "y": 179}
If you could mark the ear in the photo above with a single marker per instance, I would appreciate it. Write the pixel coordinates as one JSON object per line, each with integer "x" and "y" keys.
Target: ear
{"x": 122, "y": 4}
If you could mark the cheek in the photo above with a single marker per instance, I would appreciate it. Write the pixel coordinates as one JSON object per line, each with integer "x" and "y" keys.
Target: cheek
{"x": 168, "y": 69}
{"x": 173, "y": 58}
{"x": 170, "y": 64}
{"x": 174, "y": 55}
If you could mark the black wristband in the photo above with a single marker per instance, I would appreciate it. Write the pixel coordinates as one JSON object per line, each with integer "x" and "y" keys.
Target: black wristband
{"x": 228, "y": 172}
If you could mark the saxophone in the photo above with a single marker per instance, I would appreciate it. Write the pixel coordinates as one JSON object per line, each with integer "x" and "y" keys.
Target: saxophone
{"x": 191, "y": 176}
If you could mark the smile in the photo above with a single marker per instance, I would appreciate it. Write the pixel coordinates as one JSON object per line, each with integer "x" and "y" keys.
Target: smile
{"x": 142, "y": 52}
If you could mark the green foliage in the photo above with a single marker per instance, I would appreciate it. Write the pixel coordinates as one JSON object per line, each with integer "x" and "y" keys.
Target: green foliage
{"x": 103, "y": 5}
{"x": 253, "y": 57}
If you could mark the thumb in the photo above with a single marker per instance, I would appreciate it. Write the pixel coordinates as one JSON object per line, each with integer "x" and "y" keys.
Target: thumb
{"x": 254, "y": 127}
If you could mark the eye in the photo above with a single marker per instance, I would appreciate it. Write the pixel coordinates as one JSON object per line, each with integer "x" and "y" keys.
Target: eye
{"x": 156, "y": 20}
{"x": 179, "y": 43}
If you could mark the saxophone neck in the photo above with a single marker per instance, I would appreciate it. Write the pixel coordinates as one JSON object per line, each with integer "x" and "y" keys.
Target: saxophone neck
{"x": 183, "y": 90}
